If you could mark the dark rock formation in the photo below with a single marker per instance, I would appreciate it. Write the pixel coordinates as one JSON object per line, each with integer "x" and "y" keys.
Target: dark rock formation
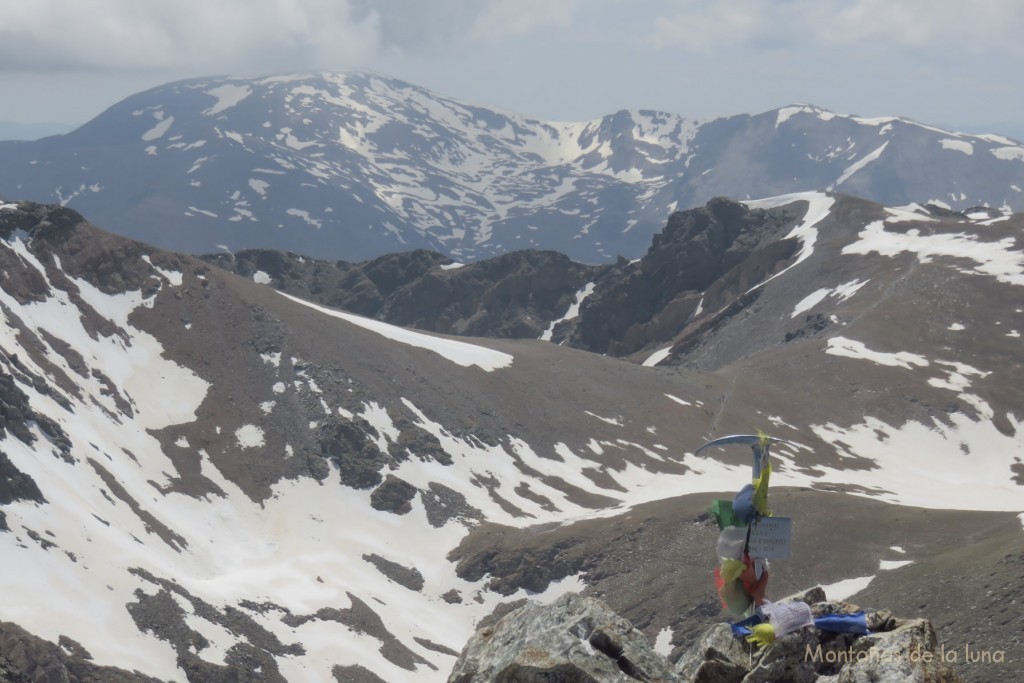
{"x": 702, "y": 261}
{"x": 24, "y": 658}
{"x": 15, "y": 484}
{"x": 443, "y": 504}
{"x": 530, "y": 568}
{"x": 349, "y": 447}
{"x": 393, "y": 495}
{"x": 355, "y": 674}
{"x": 703, "y": 258}
{"x": 162, "y": 615}
{"x": 410, "y": 577}
{"x": 16, "y": 414}
{"x": 361, "y": 618}
{"x": 509, "y": 296}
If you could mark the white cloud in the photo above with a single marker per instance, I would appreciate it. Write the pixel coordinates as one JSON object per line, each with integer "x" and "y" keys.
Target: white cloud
{"x": 829, "y": 24}
{"x": 554, "y": 59}
{"x": 253, "y": 36}
{"x": 519, "y": 17}
{"x": 414, "y": 25}
{"x": 242, "y": 35}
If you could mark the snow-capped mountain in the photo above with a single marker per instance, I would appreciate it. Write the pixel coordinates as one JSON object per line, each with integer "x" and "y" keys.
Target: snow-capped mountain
{"x": 353, "y": 166}
{"x": 202, "y": 478}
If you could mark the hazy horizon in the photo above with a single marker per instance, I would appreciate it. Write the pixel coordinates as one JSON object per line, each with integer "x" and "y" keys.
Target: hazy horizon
{"x": 63, "y": 63}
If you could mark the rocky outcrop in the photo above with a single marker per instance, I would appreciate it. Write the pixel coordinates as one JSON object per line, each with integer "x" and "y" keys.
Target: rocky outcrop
{"x": 24, "y": 658}
{"x": 575, "y": 639}
{"x": 393, "y": 495}
{"x": 702, "y": 260}
{"x": 409, "y": 577}
{"x": 15, "y": 484}
{"x": 582, "y": 639}
{"x": 509, "y": 296}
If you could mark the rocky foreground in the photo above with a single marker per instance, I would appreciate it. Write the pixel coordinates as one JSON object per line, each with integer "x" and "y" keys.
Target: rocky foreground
{"x": 578, "y": 639}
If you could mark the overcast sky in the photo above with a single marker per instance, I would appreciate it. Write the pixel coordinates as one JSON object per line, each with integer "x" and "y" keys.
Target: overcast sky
{"x": 935, "y": 61}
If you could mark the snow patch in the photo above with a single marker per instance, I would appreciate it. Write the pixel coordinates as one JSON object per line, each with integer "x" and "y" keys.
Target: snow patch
{"x": 617, "y": 421}
{"x": 858, "y": 165}
{"x": 228, "y": 95}
{"x": 910, "y": 212}
{"x": 572, "y": 313}
{"x": 957, "y": 145}
{"x": 158, "y": 130}
{"x": 304, "y": 215}
{"x": 249, "y": 436}
{"x": 842, "y": 292}
{"x": 818, "y": 206}
{"x": 261, "y": 278}
{"x": 663, "y": 642}
{"x": 851, "y": 348}
{"x": 1009, "y": 153}
{"x": 847, "y": 588}
{"x": 923, "y": 465}
{"x": 999, "y": 259}
{"x": 259, "y": 186}
{"x": 173, "y": 277}
{"x": 657, "y": 357}
{"x": 294, "y": 142}
{"x": 886, "y": 565}
{"x": 786, "y": 113}
{"x": 779, "y": 422}
{"x": 460, "y": 353}
{"x": 810, "y": 301}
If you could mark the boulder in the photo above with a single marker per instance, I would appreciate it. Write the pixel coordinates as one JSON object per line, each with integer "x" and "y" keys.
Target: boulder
{"x": 573, "y": 640}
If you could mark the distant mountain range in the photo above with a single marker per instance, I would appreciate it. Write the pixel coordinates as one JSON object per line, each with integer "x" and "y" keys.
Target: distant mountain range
{"x": 354, "y": 166}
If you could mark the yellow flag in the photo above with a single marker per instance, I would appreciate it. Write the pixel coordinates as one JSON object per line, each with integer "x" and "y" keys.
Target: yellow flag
{"x": 763, "y": 634}
{"x": 760, "y": 499}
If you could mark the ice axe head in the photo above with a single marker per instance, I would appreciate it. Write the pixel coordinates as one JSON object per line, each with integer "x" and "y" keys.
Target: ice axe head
{"x": 760, "y": 444}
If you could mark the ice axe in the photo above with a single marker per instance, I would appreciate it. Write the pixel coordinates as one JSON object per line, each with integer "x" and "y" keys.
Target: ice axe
{"x": 759, "y": 444}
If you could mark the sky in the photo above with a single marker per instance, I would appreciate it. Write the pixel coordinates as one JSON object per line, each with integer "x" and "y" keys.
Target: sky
{"x": 936, "y": 61}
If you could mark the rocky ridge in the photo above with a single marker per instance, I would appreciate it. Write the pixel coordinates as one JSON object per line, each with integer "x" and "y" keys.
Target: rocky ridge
{"x": 700, "y": 274}
{"x": 512, "y": 296}
{"x": 581, "y": 639}
{"x": 702, "y": 261}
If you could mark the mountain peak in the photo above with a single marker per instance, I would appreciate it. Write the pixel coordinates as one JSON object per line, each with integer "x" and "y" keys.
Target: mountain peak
{"x": 355, "y": 165}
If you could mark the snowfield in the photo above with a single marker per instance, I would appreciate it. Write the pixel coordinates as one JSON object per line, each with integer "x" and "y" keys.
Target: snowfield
{"x": 308, "y": 564}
